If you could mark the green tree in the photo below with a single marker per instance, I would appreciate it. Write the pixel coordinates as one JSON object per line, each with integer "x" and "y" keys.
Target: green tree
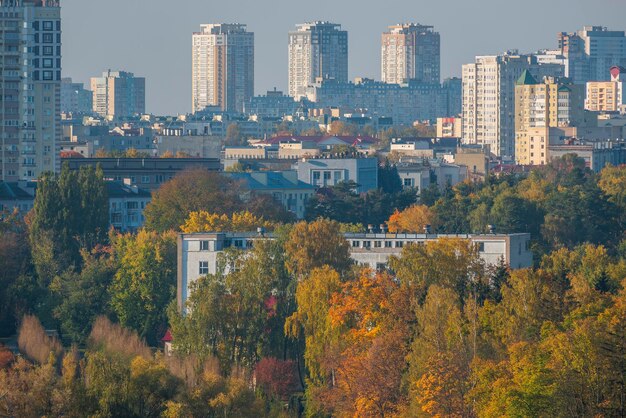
{"x": 191, "y": 191}
{"x": 145, "y": 281}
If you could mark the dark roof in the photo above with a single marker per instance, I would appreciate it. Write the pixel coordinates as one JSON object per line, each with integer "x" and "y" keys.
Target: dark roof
{"x": 526, "y": 79}
{"x": 13, "y": 191}
{"x": 275, "y": 180}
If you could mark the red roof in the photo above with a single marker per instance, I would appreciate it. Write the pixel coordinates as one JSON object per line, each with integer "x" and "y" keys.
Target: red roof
{"x": 167, "y": 338}
{"x": 71, "y": 154}
{"x": 348, "y": 139}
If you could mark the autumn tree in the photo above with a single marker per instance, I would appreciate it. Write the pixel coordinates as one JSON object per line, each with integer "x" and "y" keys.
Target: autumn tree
{"x": 412, "y": 220}
{"x": 316, "y": 244}
{"x": 203, "y": 221}
{"x": 145, "y": 281}
{"x": 190, "y": 191}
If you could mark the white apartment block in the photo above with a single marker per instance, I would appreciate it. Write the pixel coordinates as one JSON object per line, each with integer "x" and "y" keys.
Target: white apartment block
{"x": 489, "y": 98}
{"x": 30, "y": 87}
{"x": 198, "y": 253}
{"x": 410, "y": 52}
{"x": 222, "y": 67}
{"x": 316, "y": 50}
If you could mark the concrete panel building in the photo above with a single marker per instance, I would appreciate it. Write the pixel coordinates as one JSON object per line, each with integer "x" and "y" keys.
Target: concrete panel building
{"x": 118, "y": 94}
{"x": 316, "y": 50}
{"x": 222, "y": 67}
{"x": 198, "y": 253}
{"x": 540, "y": 106}
{"x": 410, "y": 52}
{"x": 489, "y": 98}
{"x": 75, "y": 98}
{"x": 326, "y": 172}
{"x": 30, "y": 84}
{"x": 590, "y": 51}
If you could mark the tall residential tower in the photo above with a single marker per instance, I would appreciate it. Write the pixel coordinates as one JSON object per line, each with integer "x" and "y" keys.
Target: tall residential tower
{"x": 410, "y": 52}
{"x": 489, "y": 98}
{"x": 222, "y": 67}
{"x": 30, "y": 88}
{"x": 118, "y": 94}
{"x": 318, "y": 49}
{"x": 590, "y": 52}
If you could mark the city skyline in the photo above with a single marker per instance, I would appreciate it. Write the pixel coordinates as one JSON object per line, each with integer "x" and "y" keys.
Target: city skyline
{"x": 164, "y": 58}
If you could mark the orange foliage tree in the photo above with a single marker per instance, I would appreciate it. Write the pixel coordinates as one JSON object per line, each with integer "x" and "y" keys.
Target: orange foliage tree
{"x": 412, "y": 220}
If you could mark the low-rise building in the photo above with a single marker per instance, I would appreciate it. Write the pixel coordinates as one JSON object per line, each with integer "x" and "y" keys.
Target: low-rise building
{"x": 147, "y": 173}
{"x": 414, "y": 147}
{"x": 283, "y": 186}
{"x": 449, "y": 127}
{"x": 326, "y": 172}
{"x": 198, "y": 252}
{"x": 126, "y": 205}
{"x": 597, "y": 155}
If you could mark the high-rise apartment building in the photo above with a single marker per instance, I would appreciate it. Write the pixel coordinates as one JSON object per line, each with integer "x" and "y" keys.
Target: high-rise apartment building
{"x": 489, "y": 98}
{"x": 410, "y": 52}
{"x": 607, "y": 96}
{"x": 222, "y": 67}
{"x": 75, "y": 98}
{"x": 118, "y": 94}
{"x": 30, "y": 80}
{"x": 591, "y": 51}
{"x": 540, "y": 106}
{"x": 318, "y": 49}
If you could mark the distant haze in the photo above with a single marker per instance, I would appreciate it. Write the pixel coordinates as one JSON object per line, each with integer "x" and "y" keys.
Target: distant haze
{"x": 152, "y": 38}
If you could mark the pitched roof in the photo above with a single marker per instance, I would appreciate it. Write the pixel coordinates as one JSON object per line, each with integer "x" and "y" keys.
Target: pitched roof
{"x": 526, "y": 79}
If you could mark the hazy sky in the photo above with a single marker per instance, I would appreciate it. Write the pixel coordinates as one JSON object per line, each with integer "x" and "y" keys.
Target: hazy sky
{"x": 152, "y": 38}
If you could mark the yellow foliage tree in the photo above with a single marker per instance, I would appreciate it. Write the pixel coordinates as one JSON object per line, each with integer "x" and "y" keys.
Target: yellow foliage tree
{"x": 203, "y": 221}
{"x": 412, "y": 220}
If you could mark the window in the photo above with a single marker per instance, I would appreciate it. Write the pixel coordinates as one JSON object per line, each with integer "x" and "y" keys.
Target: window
{"x": 355, "y": 244}
{"x": 326, "y": 175}
{"x": 316, "y": 175}
{"x": 204, "y": 245}
{"x": 47, "y": 63}
{"x": 47, "y": 75}
{"x": 399, "y": 244}
{"x": 47, "y": 25}
{"x": 481, "y": 247}
{"x": 203, "y": 268}
{"x": 47, "y": 38}
{"x": 367, "y": 244}
{"x": 145, "y": 179}
{"x": 408, "y": 182}
{"x": 388, "y": 244}
{"x": 378, "y": 244}
{"x": 48, "y": 50}
{"x": 238, "y": 243}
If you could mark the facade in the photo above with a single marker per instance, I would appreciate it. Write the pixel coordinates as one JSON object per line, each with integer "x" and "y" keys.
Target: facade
{"x": 222, "y": 67}
{"x": 410, "y": 52}
{"x": 403, "y": 103}
{"x": 126, "y": 205}
{"x": 316, "y": 50}
{"x": 30, "y": 85}
{"x": 449, "y": 127}
{"x": 198, "y": 253}
{"x": 489, "y": 98}
{"x": 591, "y": 51}
{"x": 273, "y": 103}
{"x": 326, "y": 172}
{"x": 75, "y": 98}
{"x": 540, "y": 106}
{"x": 283, "y": 186}
{"x": 118, "y": 94}
{"x": 17, "y": 196}
{"x": 607, "y": 96}
{"x": 597, "y": 155}
{"x": 147, "y": 173}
